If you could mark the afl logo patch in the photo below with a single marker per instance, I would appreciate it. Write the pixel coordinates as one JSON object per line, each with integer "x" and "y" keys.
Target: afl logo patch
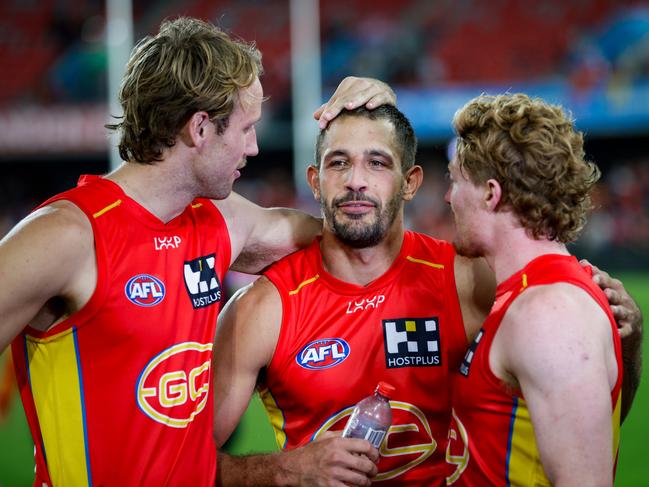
{"x": 323, "y": 353}
{"x": 144, "y": 290}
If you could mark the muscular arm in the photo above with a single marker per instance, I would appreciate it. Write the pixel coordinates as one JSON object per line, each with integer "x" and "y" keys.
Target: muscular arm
{"x": 246, "y": 336}
{"x": 45, "y": 256}
{"x": 556, "y": 344}
{"x": 476, "y": 290}
{"x": 245, "y": 342}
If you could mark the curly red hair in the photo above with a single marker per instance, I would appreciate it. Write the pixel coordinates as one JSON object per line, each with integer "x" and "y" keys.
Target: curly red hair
{"x": 533, "y": 150}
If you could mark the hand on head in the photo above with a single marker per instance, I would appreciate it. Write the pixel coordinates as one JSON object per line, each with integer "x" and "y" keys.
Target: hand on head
{"x": 352, "y": 93}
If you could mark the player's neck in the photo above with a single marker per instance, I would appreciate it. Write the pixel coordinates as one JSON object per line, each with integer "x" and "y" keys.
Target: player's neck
{"x": 360, "y": 266}
{"x": 156, "y": 187}
{"x": 515, "y": 249}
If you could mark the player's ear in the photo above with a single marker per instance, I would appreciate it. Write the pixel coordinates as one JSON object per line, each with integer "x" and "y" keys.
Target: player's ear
{"x": 313, "y": 180}
{"x": 493, "y": 194}
{"x": 412, "y": 181}
{"x": 194, "y": 132}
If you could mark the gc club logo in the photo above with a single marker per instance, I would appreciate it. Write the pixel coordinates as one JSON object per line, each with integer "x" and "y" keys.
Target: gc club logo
{"x": 174, "y": 386}
{"x": 144, "y": 290}
{"x": 323, "y": 353}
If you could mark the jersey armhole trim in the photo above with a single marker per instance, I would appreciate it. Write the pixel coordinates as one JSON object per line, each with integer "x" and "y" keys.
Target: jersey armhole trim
{"x": 84, "y": 315}
{"x": 283, "y": 327}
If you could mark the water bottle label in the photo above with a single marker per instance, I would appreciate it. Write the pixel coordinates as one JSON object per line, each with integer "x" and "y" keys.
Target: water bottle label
{"x": 375, "y": 437}
{"x": 357, "y": 429}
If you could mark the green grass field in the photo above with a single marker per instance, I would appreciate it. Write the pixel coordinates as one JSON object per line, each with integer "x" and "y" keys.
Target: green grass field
{"x": 255, "y": 434}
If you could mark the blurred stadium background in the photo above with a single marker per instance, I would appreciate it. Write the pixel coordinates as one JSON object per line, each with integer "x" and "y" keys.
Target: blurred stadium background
{"x": 592, "y": 56}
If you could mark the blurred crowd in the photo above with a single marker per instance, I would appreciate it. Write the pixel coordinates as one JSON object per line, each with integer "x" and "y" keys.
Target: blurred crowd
{"x": 621, "y": 217}
{"x": 412, "y": 43}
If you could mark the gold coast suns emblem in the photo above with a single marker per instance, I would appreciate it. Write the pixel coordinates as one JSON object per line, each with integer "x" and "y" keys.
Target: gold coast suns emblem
{"x": 457, "y": 449}
{"x": 408, "y": 443}
{"x": 174, "y": 386}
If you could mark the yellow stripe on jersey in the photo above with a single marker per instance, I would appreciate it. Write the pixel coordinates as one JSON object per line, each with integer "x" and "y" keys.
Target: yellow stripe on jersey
{"x": 107, "y": 209}
{"x": 617, "y": 411}
{"x": 55, "y": 379}
{"x": 523, "y": 282}
{"x": 425, "y": 262}
{"x": 523, "y": 461}
{"x": 275, "y": 415}
{"x": 302, "y": 284}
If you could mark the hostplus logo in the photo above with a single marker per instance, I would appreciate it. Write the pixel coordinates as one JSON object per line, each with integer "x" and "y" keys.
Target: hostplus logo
{"x": 412, "y": 342}
{"x": 201, "y": 281}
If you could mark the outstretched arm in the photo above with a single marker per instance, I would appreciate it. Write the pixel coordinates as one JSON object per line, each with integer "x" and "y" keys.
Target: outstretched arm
{"x": 246, "y": 338}
{"x": 630, "y": 323}
{"x": 260, "y": 236}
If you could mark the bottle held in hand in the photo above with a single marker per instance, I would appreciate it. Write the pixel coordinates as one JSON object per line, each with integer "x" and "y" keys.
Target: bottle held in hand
{"x": 372, "y": 416}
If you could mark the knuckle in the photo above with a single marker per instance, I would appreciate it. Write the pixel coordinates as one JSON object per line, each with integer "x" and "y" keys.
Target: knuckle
{"x": 336, "y": 456}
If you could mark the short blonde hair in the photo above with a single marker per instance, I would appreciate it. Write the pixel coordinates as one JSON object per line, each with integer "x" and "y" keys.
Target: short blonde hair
{"x": 189, "y": 66}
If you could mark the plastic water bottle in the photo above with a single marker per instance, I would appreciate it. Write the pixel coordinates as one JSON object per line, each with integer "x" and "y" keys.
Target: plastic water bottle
{"x": 372, "y": 416}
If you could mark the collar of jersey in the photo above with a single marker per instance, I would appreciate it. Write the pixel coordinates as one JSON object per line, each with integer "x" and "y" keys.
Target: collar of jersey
{"x": 137, "y": 210}
{"x": 517, "y": 280}
{"x": 342, "y": 287}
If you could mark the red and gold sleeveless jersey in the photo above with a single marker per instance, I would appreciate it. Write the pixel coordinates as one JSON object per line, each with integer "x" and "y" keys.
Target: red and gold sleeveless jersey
{"x": 492, "y": 437}
{"x": 338, "y": 340}
{"x": 118, "y": 394}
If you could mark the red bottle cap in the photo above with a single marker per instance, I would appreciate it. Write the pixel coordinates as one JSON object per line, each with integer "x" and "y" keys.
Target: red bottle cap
{"x": 385, "y": 389}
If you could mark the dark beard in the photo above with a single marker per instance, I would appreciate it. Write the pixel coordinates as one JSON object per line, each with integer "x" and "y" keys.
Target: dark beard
{"x": 362, "y": 236}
